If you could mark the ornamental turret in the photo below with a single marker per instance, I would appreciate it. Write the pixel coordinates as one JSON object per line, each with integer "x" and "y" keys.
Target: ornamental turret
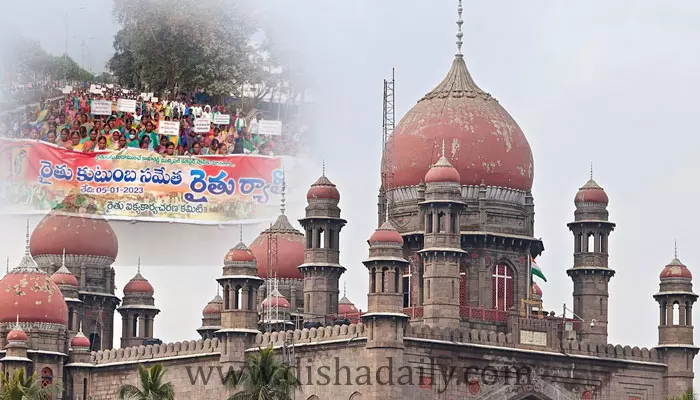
{"x": 590, "y": 273}
{"x": 676, "y": 299}
{"x": 442, "y": 253}
{"x": 138, "y": 311}
{"x": 321, "y": 268}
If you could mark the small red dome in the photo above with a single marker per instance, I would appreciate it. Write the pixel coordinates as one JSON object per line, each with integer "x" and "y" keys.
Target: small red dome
{"x": 591, "y": 193}
{"x": 536, "y": 290}
{"x": 214, "y": 307}
{"x": 345, "y": 306}
{"x": 238, "y": 254}
{"x": 675, "y": 269}
{"x": 77, "y": 235}
{"x": 29, "y": 292}
{"x": 484, "y": 142}
{"x": 271, "y": 301}
{"x": 323, "y": 188}
{"x": 290, "y": 250}
{"x": 386, "y": 234}
{"x": 138, "y": 284}
{"x": 64, "y": 277}
{"x": 17, "y": 335}
{"x": 79, "y": 340}
{"x": 442, "y": 171}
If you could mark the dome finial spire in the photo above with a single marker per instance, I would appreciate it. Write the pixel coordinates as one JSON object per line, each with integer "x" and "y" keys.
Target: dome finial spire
{"x": 675, "y": 248}
{"x": 63, "y": 258}
{"x": 460, "y": 22}
{"x": 26, "y": 240}
{"x": 345, "y": 289}
{"x": 240, "y": 233}
{"x": 80, "y": 327}
{"x": 443, "y": 147}
{"x": 323, "y": 166}
{"x": 591, "y": 170}
{"x": 217, "y": 289}
{"x": 283, "y": 202}
{"x": 138, "y": 265}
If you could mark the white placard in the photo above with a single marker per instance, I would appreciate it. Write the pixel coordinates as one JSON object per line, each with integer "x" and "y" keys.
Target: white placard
{"x": 170, "y": 128}
{"x": 202, "y": 125}
{"x": 222, "y": 119}
{"x": 154, "y": 99}
{"x": 143, "y": 96}
{"x": 126, "y": 91}
{"x": 150, "y": 94}
{"x": 126, "y": 105}
{"x": 109, "y": 86}
{"x": 533, "y": 338}
{"x": 67, "y": 90}
{"x": 266, "y": 127}
{"x": 101, "y": 107}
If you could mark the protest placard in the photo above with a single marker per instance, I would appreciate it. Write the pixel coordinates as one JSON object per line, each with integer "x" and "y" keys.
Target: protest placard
{"x": 202, "y": 125}
{"x": 170, "y": 128}
{"x": 101, "y": 107}
{"x": 154, "y": 99}
{"x": 126, "y": 105}
{"x": 222, "y": 119}
{"x": 269, "y": 127}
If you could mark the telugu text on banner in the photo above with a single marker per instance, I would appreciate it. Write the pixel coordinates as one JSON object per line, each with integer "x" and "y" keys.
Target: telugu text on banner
{"x": 136, "y": 184}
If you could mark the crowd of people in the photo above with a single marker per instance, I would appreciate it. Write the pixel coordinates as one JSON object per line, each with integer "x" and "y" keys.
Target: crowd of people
{"x": 70, "y": 124}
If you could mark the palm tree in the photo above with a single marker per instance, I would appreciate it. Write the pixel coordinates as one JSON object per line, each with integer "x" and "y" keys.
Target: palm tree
{"x": 688, "y": 395}
{"x": 263, "y": 378}
{"x": 151, "y": 386}
{"x": 21, "y": 387}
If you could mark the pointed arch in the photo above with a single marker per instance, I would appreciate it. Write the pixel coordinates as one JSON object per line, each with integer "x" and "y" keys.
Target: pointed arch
{"x": 503, "y": 285}
{"x": 356, "y": 396}
{"x": 530, "y": 396}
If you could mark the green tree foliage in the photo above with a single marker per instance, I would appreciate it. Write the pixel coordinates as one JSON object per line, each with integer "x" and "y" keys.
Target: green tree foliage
{"x": 263, "y": 378}
{"x": 22, "y": 387}
{"x": 25, "y": 60}
{"x": 688, "y": 395}
{"x": 151, "y": 386}
{"x": 189, "y": 44}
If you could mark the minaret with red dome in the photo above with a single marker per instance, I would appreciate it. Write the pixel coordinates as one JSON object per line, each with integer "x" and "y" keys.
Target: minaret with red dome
{"x": 590, "y": 273}
{"x": 676, "y": 299}
{"x": 442, "y": 252}
{"x": 492, "y": 159}
{"x": 138, "y": 310}
{"x": 16, "y": 347}
{"x": 211, "y": 317}
{"x": 321, "y": 268}
{"x": 239, "y": 315}
{"x": 90, "y": 246}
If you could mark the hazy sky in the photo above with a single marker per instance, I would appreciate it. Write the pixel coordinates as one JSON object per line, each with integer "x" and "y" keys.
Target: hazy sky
{"x": 609, "y": 82}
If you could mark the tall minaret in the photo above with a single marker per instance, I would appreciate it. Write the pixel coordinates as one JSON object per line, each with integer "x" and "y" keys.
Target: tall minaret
{"x": 239, "y": 314}
{"x": 442, "y": 251}
{"x": 590, "y": 272}
{"x": 676, "y": 299}
{"x": 321, "y": 268}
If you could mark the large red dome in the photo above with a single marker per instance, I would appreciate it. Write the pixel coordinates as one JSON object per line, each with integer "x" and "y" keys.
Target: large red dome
{"x": 484, "y": 143}
{"x": 290, "y": 249}
{"x": 29, "y": 293}
{"x": 76, "y": 234}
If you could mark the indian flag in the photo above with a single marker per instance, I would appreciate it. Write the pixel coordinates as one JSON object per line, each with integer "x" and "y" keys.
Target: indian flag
{"x": 535, "y": 269}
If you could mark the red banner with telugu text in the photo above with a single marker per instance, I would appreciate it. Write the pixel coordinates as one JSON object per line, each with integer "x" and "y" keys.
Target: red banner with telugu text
{"x": 139, "y": 184}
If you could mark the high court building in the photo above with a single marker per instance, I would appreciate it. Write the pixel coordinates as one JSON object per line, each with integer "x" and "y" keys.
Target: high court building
{"x": 452, "y": 309}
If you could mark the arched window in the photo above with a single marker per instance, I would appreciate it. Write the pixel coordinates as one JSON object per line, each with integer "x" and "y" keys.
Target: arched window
{"x": 663, "y": 313}
{"x": 227, "y": 297}
{"x": 502, "y": 286}
{"x": 688, "y": 314}
{"x": 95, "y": 342}
{"x": 676, "y": 313}
{"x": 462, "y": 285}
{"x": 70, "y": 319}
{"x": 135, "y": 326}
{"x": 406, "y": 290}
{"x": 46, "y": 377}
{"x": 440, "y": 223}
{"x": 454, "y": 224}
{"x": 429, "y": 223}
{"x": 591, "y": 243}
{"x": 397, "y": 280}
{"x": 373, "y": 280}
{"x": 239, "y": 298}
{"x": 251, "y": 301}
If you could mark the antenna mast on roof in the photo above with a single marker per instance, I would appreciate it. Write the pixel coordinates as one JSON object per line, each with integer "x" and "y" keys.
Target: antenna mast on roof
{"x": 388, "y": 125}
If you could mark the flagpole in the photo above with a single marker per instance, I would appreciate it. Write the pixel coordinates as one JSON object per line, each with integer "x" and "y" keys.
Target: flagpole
{"x": 529, "y": 275}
